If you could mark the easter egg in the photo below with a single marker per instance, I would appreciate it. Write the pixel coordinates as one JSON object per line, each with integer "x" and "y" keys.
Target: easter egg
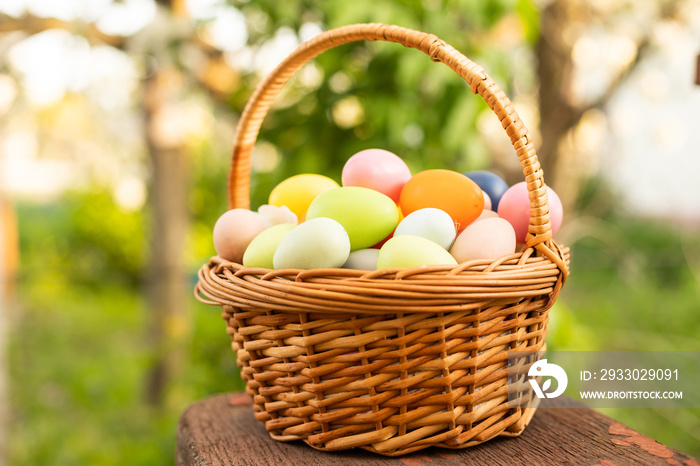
{"x": 515, "y": 207}
{"x": 273, "y": 215}
{"x": 486, "y": 214}
{"x": 446, "y": 190}
{"x": 488, "y": 205}
{"x": 433, "y": 224}
{"x": 317, "y": 243}
{"x": 412, "y": 251}
{"x": 234, "y": 230}
{"x": 377, "y": 169}
{"x": 490, "y": 183}
{"x": 298, "y": 191}
{"x": 362, "y": 259}
{"x": 367, "y": 215}
{"x": 490, "y": 238}
{"x": 261, "y": 250}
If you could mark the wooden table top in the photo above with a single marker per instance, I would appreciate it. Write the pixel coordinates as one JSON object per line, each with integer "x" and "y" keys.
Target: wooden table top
{"x": 221, "y": 430}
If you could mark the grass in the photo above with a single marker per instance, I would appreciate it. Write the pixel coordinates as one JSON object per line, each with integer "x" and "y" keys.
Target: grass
{"x": 78, "y": 365}
{"x": 634, "y": 286}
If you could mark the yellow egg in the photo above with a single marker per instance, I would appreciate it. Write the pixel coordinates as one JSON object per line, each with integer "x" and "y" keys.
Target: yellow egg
{"x": 412, "y": 251}
{"x": 234, "y": 230}
{"x": 298, "y": 191}
{"x": 261, "y": 250}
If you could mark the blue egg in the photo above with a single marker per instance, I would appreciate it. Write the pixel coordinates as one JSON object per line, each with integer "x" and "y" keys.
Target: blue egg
{"x": 491, "y": 184}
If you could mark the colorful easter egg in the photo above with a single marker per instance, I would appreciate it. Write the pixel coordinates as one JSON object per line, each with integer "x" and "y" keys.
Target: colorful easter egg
{"x": 377, "y": 169}
{"x": 298, "y": 191}
{"x": 367, "y": 215}
{"x": 316, "y": 243}
{"x": 490, "y": 238}
{"x": 493, "y": 185}
{"x": 433, "y": 224}
{"x": 234, "y": 230}
{"x": 362, "y": 259}
{"x": 412, "y": 251}
{"x": 261, "y": 250}
{"x": 446, "y": 190}
{"x": 514, "y": 206}
{"x": 273, "y": 215}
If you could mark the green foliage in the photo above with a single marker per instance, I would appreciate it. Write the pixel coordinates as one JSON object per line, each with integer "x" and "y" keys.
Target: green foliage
{"x": 416, "y": 108}
{"x": 78, "y": 366}
{"x": 86, "y": 236}
{"x": 634, "y": 285}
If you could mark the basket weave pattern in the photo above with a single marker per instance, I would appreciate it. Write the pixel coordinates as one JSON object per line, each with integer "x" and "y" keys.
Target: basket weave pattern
{"x": 394, "y": 360}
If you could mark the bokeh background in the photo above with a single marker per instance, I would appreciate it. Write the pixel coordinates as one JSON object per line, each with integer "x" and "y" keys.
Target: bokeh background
{"x": 116, "y": 124}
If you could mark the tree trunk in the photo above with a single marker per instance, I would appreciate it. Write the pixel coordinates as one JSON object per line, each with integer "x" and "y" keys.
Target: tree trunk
{"x": 8, "y": 267}
{"x": 166, "y": 277}
{"x": 555, "y": 71}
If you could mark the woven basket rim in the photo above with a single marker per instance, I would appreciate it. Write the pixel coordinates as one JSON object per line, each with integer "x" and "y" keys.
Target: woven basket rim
{"x": 435, "y": 288}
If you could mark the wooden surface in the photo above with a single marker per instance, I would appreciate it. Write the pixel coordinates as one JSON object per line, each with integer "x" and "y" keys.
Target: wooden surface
{"x": 221, "y": 430}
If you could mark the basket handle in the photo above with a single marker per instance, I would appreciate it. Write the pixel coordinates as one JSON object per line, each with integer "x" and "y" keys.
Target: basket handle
{"x": 540, "y": 232}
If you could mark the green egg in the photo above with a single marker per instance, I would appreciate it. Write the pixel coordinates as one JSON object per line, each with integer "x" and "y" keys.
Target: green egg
{"x": 261, "y": 250}
{"x": 412, "y": 251}
{"x": 368, "y": 216}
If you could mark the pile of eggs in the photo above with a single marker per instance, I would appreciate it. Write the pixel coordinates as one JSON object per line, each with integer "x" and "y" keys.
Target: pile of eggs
{"x": 381, "y": 217}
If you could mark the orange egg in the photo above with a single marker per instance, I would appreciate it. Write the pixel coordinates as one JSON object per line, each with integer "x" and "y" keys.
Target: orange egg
{"x": 445, "y": 190}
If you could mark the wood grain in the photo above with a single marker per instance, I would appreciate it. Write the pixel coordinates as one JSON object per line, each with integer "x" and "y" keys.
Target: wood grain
{"x": 222, "y": 430}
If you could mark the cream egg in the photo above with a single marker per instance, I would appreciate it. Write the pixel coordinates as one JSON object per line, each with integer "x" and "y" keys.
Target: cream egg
{"x": 490, "y": 238}
{"x": 362, "y": 259}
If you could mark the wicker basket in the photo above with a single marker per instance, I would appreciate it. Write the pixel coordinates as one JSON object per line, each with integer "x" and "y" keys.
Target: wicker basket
{"x": 393, "y": 360}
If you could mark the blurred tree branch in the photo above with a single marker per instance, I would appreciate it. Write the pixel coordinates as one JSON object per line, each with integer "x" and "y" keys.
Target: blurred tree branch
{"x": 30, "y": 25}
{"x": 560, "y": 26}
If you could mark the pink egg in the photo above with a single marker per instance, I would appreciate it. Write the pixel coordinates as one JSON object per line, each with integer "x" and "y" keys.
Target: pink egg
{"x": 514, "y": 206}
{"x": 234, "y": 231}
{"x": 377, "y": 169}
{"x": 490, "y": 238}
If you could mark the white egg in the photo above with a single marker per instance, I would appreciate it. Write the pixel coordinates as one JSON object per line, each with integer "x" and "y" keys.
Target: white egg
{"x": 362, "y": 259}
{"x": 490, "y": 238}
{"x": 317, "y": 243}
{"x": 430, "y": 223}
{"x": 273, "y": 215}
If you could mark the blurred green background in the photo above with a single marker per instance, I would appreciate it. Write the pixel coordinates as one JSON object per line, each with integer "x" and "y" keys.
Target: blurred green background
{"x": 116, "y": 120}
